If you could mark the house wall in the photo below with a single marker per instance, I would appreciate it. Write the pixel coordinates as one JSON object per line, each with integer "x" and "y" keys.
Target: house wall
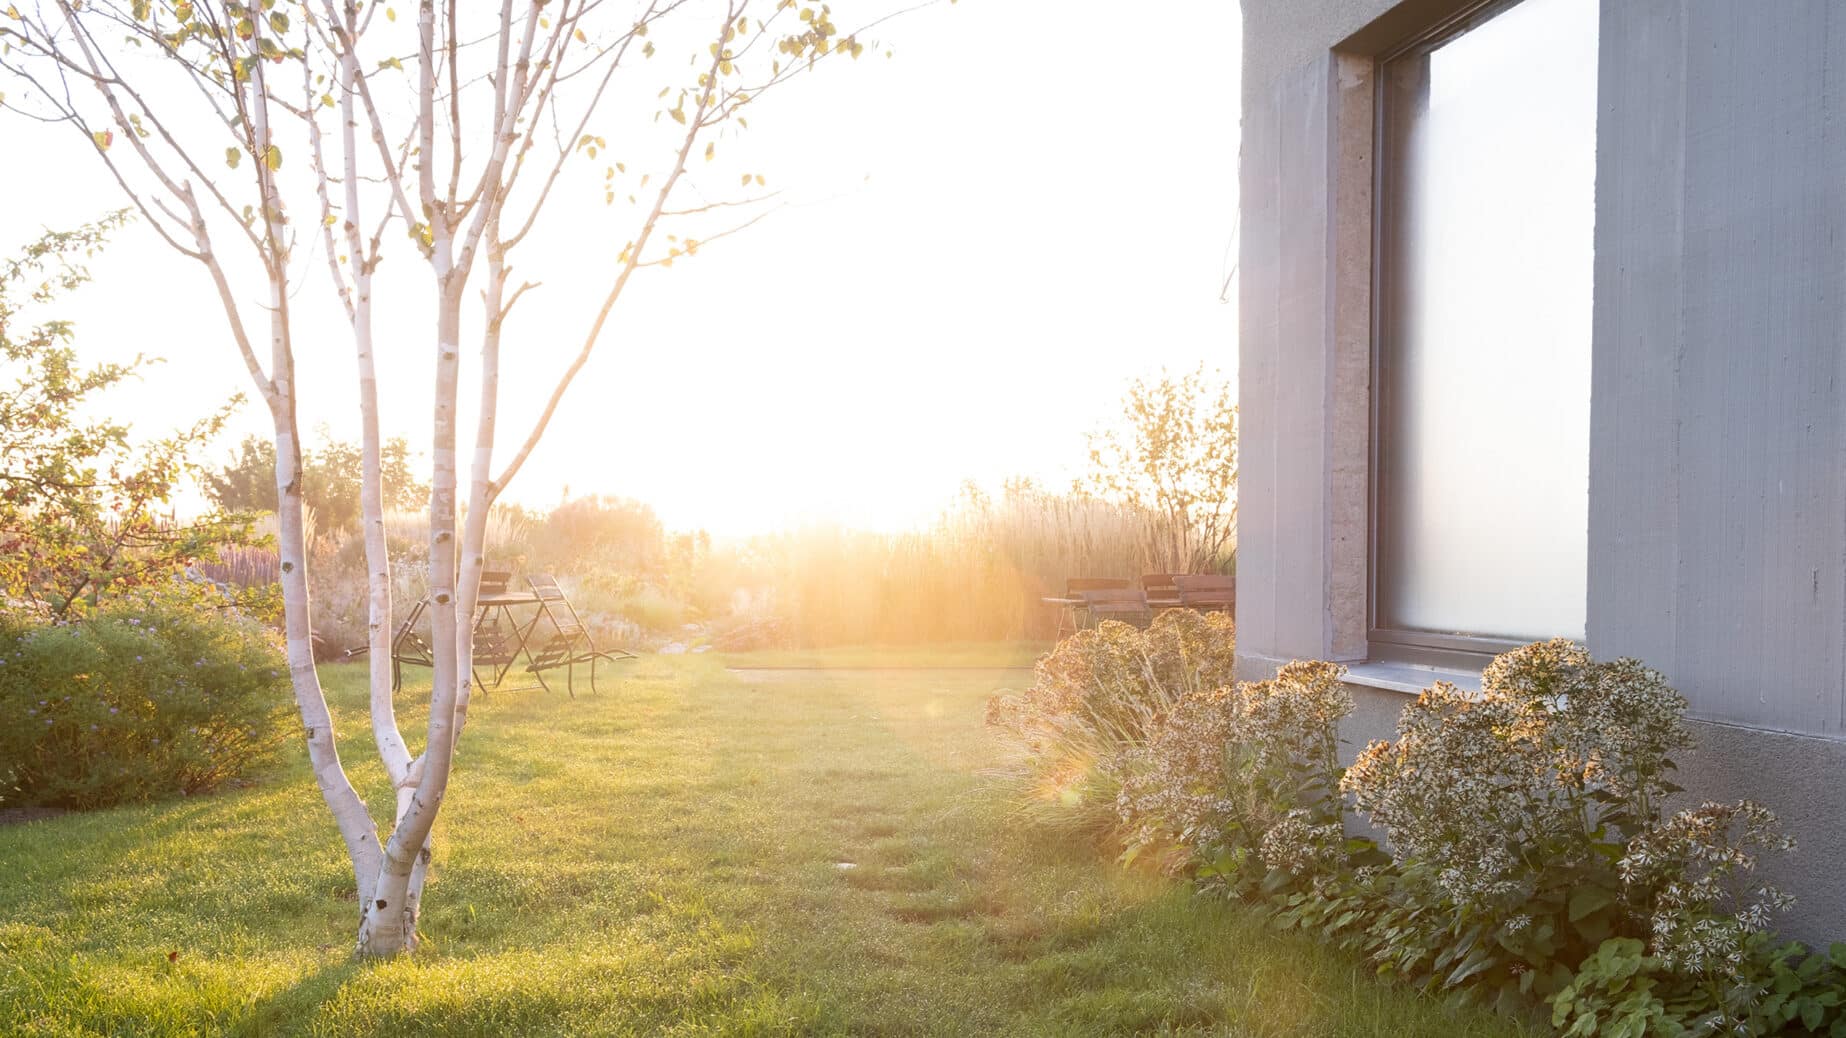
{"x": 1717, "y": 526}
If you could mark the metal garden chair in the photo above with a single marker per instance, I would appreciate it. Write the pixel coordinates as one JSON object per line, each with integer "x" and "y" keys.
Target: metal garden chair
{"x": 569, "y": 643}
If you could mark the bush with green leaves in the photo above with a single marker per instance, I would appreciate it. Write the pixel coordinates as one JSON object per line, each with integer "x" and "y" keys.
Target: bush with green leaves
{"x": 163, "y": 691}
{"x": 85, "y": 509}
{"x": 1709, "y": 965}
{"x": 1772, "y": 989}
{"x": 1095, "y": 699}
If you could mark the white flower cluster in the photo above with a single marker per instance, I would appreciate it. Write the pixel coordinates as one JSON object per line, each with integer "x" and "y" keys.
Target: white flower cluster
{"x": 1120, "y": 678}
{"x": 1695, "y": 865}
{"x": 1298, "y": 846}
{"x": 1553, "y": 748}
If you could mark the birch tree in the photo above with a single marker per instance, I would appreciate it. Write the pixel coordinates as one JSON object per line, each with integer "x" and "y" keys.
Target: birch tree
{"x": 449, "y": 136}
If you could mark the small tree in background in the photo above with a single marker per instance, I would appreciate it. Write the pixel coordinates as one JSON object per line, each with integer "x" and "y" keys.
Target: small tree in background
{"x": 330, "y": 480}
{"x": 82, "y": 509}
{"x": 1175, "y": 456}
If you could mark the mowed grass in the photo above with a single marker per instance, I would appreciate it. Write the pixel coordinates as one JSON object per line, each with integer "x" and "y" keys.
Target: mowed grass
{"x": 947, "y": 656}
{"x": 694, "y": 852}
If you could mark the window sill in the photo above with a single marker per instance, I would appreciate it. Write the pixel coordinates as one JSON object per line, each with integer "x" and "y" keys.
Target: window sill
{"x": 1409, "y": 678}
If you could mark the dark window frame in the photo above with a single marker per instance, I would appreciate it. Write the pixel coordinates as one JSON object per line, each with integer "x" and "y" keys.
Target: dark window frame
{"x": 1385, "y": 642}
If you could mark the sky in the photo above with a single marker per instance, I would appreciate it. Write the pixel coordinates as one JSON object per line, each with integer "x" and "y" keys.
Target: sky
{"x": 985, "y": 236}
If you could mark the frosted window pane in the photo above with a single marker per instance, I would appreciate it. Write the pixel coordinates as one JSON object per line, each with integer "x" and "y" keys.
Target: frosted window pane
{"x": 1489, "y": 209}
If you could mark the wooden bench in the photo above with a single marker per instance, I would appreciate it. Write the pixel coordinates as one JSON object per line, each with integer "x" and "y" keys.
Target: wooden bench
{"x": 1207, "y": 593}
{"x": 1073, "y": 608}
{"x": 1161, "y": 592}
{"x": 1125, "y": 604}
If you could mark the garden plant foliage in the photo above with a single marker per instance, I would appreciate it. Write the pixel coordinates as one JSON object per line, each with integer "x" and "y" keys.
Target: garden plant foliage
{"x": 158, "y": 693}
{"x": 83, "y": 510}
{"x": 1529, "y": 855}
{"x": 1240, "y": 774}
{"x": 1093, "y": 702}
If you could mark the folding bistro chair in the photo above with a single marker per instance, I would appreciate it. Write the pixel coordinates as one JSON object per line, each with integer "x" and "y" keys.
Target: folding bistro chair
{"x": 498, "y": 636}
{"x": 569, "y": 642}
{"x": 497, "y": 639}
{"x": 1207, "y": 593}
{"x": 408, "y": 647}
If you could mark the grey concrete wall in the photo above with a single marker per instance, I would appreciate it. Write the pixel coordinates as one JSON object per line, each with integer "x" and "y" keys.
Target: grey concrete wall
{"x": 1718, "y": 437}
{"x": 1281, "y": 36}
{"x": 1281, "y": 380}
{"x": 1718, "y": 427}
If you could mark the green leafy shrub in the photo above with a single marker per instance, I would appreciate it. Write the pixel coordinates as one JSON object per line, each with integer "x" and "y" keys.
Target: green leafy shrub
{"x": 1770, "y": 989}
{"x": 1614, "y": 995}
{"x": 1096, "y": 698}
{"x": 157, "y": 693}
{"x": 1709, "y": 963}
{"x": 1230, "y": 777}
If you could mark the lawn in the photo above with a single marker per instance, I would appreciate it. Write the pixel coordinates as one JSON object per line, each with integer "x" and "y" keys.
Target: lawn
{"x": 695, "y": 851}
{"x": 947, "y": 656}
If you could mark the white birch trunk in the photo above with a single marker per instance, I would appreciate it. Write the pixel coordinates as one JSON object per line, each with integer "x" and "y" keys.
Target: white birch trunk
{"x": 388, "y": 922}
{"x": 480, "y": 476}
{"x": 379, "y": 628}
{"x": 349, "y": 813}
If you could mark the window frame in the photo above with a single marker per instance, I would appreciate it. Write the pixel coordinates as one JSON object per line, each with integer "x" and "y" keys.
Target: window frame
{"x": 1384, "y": 642}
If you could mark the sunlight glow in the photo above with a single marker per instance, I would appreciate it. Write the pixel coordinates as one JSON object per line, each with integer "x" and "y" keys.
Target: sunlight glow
{"x": 951, "y": 292}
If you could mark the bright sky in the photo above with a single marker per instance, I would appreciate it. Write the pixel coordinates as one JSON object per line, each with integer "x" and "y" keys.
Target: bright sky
{"x": 988, "y": 235}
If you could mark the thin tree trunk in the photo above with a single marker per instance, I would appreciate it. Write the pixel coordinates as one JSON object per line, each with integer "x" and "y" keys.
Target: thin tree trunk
{"x": 379, "y": 629}
{"x": 349, "y": 812}
{"x": 388, "y": 924}
{"x": 480, "y": 477}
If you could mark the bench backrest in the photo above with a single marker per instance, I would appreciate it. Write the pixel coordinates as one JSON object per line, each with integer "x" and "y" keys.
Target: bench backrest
{"x": 1114, "y": 595}
{"x": 1157, "y": 582}
{"x": 1202, "y": 589}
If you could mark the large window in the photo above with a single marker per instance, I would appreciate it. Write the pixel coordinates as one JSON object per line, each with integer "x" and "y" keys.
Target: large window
{"x": 1486, "y": 191}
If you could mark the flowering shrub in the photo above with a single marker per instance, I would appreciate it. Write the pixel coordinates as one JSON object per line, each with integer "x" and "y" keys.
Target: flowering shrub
{"x": 1507, "y": 811}
{"x": 1557, "y": 752}
{"x": 1096, "y": 698}
{"x": 157, "y": 693}
{"x": 1529, "y": 856}
{"x": 1691, "y": 872}
{"x": 1231, "y": 776}
{"x": 1710, "y": 966}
